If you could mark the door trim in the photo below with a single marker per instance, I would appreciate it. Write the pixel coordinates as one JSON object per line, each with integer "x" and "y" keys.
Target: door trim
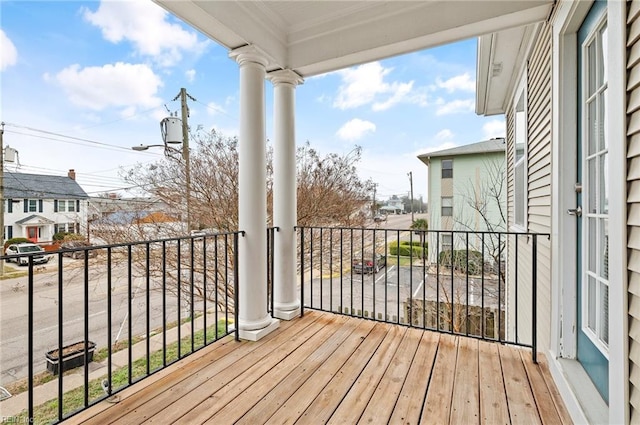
{"x": 566, "y": 22}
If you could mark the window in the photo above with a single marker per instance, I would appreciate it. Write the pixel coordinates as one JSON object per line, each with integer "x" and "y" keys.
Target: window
{"x": 447, "y": 242}
{"x": 447, "y": 206}
{"x": 595, "y": 194}
{"x": 65, "y": 227}
{"x": 64, "y": 206}
{"x": 33, "y": 205}
{"x": 447, "y": 168}
{"x": 520, "y": 162}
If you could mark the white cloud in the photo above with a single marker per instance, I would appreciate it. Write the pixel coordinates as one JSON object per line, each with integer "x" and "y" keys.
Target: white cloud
{"x": 444, "y": 134}
{"x": 145, "y": 25}
{"x": 460, "y": 82}
{"x": 190, "y": 75}
{"x": 118, "y": 85}
{"x": 455, "y": 107}
{"x": 365, "y": 84}
{"x": 355, "y": 129}
{"x": 494, "y": 128}
{"x": 8, "y": 53}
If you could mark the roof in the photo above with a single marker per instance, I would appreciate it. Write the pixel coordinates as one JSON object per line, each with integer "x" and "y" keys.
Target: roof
{"x": 35, "y": 218}
{"x": 41, "y": 186}
{"x": 486, "y": 146}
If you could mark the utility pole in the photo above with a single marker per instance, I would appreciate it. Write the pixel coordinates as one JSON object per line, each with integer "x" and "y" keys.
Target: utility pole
{"x": 373, "y": 207}
{"x": 410, "y": 174}
{"x": 185, "y": 150}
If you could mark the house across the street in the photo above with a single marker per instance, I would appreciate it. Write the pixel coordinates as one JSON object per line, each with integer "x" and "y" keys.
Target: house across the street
{"x": 37, "y": 206}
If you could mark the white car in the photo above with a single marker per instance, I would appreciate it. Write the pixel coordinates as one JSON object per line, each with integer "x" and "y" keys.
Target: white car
{"x": 26, "y": 248}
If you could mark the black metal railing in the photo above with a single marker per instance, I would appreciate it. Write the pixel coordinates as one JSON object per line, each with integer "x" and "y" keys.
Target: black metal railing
{"x": 147, "y": 303}
{"x": 477, "y": 284}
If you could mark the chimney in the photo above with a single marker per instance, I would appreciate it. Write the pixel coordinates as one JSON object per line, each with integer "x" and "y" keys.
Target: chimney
{"x": 72, "y": 174}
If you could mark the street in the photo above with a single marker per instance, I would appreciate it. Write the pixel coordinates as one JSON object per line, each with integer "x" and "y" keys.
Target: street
{"x": 14, "y": 312}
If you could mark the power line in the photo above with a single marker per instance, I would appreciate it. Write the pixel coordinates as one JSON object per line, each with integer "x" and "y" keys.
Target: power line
{"x": 73, "y": 139}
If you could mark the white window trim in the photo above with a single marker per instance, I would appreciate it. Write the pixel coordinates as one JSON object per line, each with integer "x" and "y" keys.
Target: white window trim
{"x": 521, "y": 90}
{"x": 590, "y": 333}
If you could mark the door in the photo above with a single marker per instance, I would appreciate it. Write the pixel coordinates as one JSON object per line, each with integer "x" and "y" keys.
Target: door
{"x": 592, "y": 199}
{"x": 32, "y": 234}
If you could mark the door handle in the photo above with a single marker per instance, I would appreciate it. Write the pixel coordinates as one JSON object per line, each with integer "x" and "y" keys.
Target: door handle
{"x": 575, "y": 211}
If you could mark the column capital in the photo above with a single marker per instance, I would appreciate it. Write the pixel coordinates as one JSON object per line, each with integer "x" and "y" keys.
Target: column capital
{"x": 249, "y": 54}
{"x": 285, "y": 76}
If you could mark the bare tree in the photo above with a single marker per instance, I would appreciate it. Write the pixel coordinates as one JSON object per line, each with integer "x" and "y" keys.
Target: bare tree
{"x": 330, "y": 193}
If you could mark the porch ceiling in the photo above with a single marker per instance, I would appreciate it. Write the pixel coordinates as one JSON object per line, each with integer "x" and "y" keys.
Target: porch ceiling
{"x": 314, "y": 37}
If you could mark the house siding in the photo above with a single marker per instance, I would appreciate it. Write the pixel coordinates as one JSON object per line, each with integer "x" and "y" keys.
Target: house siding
{"x": 538, "y": 87}
{"x": 633, "y": 204}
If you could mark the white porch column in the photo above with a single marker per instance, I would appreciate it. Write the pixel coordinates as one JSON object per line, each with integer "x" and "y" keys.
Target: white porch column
{"x": 286, "y": 300}
{"x": 254, "y": 320}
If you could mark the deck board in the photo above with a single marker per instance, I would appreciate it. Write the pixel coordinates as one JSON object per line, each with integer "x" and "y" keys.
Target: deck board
{"x": 493, "y": 400}
{"x": 465, "y": 404}
{"x": 326, "y": 368}
{"x": 437, "y": 406}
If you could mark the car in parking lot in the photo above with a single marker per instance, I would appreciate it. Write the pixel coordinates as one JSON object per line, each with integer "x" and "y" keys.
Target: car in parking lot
{"x": 77, "y": 246}
{"x": 368, "y": 263}
{"x": 26, "y": 248}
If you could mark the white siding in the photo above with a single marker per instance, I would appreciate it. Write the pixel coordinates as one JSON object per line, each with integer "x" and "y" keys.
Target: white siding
{"x": 633, "y": 201}
{"x": 538, "y": 196}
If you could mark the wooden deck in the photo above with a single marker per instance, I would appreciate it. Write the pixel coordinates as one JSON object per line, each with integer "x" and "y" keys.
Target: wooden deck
{"x": 326, "y": 368}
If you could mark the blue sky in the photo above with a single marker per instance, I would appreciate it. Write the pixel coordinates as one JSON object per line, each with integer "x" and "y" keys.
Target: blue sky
{"x": 83, "y": 81}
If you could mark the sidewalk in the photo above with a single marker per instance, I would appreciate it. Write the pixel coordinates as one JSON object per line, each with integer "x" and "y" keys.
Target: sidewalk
{"x": 48, "y": 391}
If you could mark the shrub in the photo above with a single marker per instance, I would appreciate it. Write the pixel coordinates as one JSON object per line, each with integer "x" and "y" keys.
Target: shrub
{"x": 460, "y": 260}
{"x": 15, "y": 240}
{"x": 406, "y": 249}
{"x": 66, "y": 236}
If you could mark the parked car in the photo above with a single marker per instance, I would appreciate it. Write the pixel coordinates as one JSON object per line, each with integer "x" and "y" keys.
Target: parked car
{"x": 26, "y": 248}
{"x": 380, "y": 217}
{"x": 368, "y": 263}
{"x": 78, "y": 252}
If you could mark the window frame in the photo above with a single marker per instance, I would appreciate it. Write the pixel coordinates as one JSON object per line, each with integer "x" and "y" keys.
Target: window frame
{"x": 449, "y": 170}
{"x": 520, "y": 137}
{"x": 443, "y": 206}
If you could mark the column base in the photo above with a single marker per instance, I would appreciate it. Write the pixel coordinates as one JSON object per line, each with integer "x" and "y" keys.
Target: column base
{"x": 286, "y": 314}
{"x": 256, "y": 334}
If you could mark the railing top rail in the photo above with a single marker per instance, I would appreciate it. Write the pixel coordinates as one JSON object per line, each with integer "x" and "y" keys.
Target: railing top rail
{"x": 379, "y": 229}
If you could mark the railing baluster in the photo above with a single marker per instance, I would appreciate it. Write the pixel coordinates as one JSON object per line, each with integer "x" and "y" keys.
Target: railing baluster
{"x": 398, "y": 276}
{"x": 192, "y": 293}
{"x": 236, "y": 285}
{"x": 311, "y": 267}
{"x": 86, "y": 330}
{"x": 438, "y": 280}
{"x": 129, "y": 316}
{"x": 341, "y": 306}
{"x": 204, "y": 289}
{"x": 500, "y": 289}
{"x": 330, "y": 269}
{"x": 516, "y": 285}
{"x": 164, "y": 304}
{"x": 179, "y": 293}
{"x": 466, "y": 317}
{"x": 302, "y": 270}
{"x": 482, "y": 324}
{"x": 30, "y": 340}
{"x": 534, "y": 299}
{"x": 148, "y": 307}
{"x": 109, "y": 314}
{"x": 60, "y": 341}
